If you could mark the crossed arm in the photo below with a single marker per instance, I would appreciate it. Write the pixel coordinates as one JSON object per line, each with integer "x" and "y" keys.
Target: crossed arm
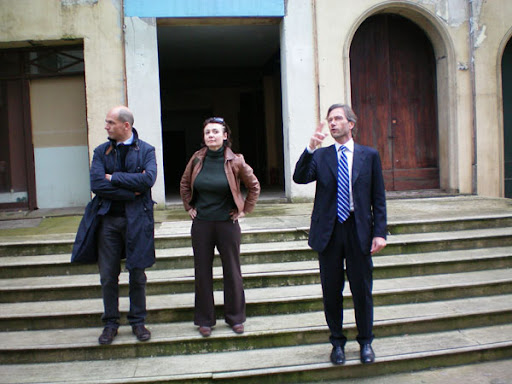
{"x": 122, "y": 185}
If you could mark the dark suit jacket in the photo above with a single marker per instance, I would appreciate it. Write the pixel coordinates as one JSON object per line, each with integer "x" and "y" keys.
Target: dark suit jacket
{"x": 367, "y": 190}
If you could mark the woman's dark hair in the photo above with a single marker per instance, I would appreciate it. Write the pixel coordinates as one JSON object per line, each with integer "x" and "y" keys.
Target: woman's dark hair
{"x": 219, "y": 120}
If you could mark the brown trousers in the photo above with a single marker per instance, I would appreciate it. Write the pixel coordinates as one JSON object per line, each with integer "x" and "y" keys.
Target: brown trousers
{"x": 225, "y": 235}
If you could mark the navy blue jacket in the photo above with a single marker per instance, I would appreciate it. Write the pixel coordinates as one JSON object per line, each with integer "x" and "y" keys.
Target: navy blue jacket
{"x": 140, "y": 176}
{"x": 368, "y": 194}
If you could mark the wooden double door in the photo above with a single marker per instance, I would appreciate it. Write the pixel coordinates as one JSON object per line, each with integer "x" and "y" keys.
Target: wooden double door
{"x": 393, "y": 82}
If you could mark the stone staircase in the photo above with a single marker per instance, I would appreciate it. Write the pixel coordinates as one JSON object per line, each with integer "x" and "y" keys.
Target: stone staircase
{"x": 442, "y": 293}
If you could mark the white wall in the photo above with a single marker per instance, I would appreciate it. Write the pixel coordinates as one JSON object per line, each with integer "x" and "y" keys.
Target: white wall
{"x": 143, "y": 87}
{"x": 300, "y": 104}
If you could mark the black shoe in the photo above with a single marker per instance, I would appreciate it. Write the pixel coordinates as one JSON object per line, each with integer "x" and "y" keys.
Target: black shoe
{"x": 367, "y": 354}
{"x": 107, "y": 336}
{"x": 338, "y": 355}
{"x": 141, "y": 332}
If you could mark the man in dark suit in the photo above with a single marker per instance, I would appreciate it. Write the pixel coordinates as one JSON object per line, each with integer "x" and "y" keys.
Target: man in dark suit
{"x": 348, "y": 223}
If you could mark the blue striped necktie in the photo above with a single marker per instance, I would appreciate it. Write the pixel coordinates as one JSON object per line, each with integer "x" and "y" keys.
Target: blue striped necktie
{"x": 343, "y": 206}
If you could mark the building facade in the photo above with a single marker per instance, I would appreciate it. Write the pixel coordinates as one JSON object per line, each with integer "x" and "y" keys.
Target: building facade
{"x": 431, "y": 82}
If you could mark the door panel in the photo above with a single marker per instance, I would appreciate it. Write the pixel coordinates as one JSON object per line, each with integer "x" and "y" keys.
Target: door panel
{"x": 393, "y": 93}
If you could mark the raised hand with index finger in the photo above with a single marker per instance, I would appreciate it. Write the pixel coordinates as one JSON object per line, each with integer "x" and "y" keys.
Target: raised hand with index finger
{"x": 318, "y": 137}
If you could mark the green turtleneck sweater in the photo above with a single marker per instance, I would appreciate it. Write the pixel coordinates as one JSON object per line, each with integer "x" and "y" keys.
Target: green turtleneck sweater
{"x": 213, "y": 198}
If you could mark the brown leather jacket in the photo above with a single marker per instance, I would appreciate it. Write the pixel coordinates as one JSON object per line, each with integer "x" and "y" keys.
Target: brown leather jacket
{"x": 236, "y": 170}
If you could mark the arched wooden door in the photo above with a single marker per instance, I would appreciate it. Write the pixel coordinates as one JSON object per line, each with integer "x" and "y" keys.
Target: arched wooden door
{"x": 393, "y": 81}
{"x": 506, "y": 83}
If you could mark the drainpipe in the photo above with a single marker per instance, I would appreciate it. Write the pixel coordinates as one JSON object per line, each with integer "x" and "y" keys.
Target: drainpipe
{"x": 472, "y": 31}
{"x": 123, "y": 42}
{"x": 315, "y": 53}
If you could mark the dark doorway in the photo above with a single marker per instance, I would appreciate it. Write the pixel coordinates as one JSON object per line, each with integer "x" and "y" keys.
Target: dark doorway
{"x": 506, "y": 76}
{"x": 231, "y": 71}
{"x": 393, "y": 81}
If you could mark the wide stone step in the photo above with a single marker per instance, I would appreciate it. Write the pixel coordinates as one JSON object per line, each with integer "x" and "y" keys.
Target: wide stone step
{"x": 449, "y": 224}
{"x": 168, "y": 258}
{"x": 58, "y": 244}
{"x": 275, "y": 229}
{"x": 442, "y": 241}
{"x": 260, "y": 301}
{"x": 303, "y": 363}
{"x": 273, "y": 252}
{"x": 260, "y": 332}
{"x": 255, "y": 275}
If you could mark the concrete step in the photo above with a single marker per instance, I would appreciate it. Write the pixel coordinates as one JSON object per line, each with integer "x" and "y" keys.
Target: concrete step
{"x": 176, "y": 234}
{"x": 168, "y": 258}
{"x": 260, "y": 331}
{"x": 168, "y": 238}
{"x": 273, "y": 252}
{"x": 260, "y": 301}
{"x": 449, "y": 224}
{"x": 302, "y": 363}
{"x": 67, "y": 287}
{"x": 451, "y": 240}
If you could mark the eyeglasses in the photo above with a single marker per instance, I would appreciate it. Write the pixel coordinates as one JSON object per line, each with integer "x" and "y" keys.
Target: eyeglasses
{"x": 335, "y": 118}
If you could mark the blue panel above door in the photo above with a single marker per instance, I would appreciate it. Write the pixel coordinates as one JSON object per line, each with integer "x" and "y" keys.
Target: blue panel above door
{"x": 204, "y": 8}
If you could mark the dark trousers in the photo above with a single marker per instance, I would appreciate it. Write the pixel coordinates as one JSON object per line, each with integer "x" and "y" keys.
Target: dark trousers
{"x": 111, "y": 241}
{"x": 225, "y": 235}
{"x": 344, "y": 246}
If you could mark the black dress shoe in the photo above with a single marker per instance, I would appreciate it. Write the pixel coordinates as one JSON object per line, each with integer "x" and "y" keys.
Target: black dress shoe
{"x": 107, "y": 336}
{"x": 338, "y": 355}
{"x": 142, "y": 333}
{"x": 367, "y": 354}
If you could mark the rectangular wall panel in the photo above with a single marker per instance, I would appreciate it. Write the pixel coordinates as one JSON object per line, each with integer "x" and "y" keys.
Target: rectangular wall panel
{"x": 204, "y": 8}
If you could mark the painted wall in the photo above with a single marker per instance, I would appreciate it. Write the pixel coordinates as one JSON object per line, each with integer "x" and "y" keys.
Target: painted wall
{"x": 143, "y": 90}
{"x": 300, "y": 96}
{"x": 493, "y": 29}
{"x": 446, "y": 24}
{"x": 315, "y": 42}
{"x": 98, "y": 24}
{"x": 315, "y": 45}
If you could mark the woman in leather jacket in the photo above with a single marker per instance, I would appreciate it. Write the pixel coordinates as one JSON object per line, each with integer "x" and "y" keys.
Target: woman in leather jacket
{"x": 210, "y": 190}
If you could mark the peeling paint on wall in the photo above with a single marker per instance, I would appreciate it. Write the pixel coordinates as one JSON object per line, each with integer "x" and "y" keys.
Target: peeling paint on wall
{"x": 453, "y": 12}
{"x": 477, "y": 29}
{"x": 480, "y": 36}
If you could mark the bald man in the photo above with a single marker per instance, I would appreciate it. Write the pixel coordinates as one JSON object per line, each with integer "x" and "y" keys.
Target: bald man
{"x": 123, "y": 170}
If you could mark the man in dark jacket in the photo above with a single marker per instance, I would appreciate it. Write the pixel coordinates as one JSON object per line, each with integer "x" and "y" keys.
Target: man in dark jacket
{"x": 118, "y": 223}
{"x": 348, "y": 223}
